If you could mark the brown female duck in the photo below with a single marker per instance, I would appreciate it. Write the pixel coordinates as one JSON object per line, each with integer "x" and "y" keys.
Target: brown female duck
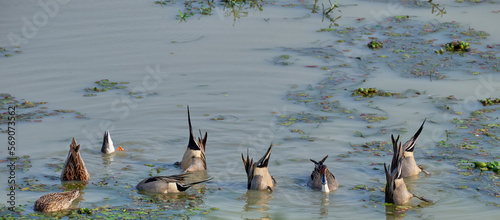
{"x": 74, "y": 168}
{"x": 257, "y": 173}
{"x": 56, "y": 201}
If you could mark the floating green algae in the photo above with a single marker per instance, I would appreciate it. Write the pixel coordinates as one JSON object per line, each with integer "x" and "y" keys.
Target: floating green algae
{"x": 372, "y": 92}
{"x": 28, "y": 111}
{"x": 287, "y": 120}
{"x": 103, "y": 86}
{"x": 375, "y": 45}
{"x": 490, "y": 101}
{"x": 460, "y": 46}
{"x": 283, "y": 60}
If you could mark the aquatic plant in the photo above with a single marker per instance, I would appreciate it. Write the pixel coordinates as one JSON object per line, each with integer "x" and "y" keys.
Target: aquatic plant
{"x": 493, "y": 165}
{"x": 490, "y": 101}
{"x": 8, "y": 52}
{"x": 460, "y": 46}
{"x": 29, "y": 111}
{"x": 104, "y": 85}
{"x": 375, "y": 45}
{"x": 283, "y": 60}
{"x": 372, "y": 92}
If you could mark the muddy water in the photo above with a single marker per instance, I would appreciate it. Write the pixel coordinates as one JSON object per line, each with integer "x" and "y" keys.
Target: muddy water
{"x": 225, "y": 68}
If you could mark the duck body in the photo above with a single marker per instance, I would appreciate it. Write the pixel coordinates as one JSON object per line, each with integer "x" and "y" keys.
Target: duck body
{"x": 74, "y": 167}
{"x": 395, "y": 188}
{"x": 165, "y": 184}
{"x": 257, "y": 173}
{"x": 107, "y": 144}
{"x": 409, "y": 165}
{"x": 321, "y": 178}
{"x": 56, "y": 201}
{"x": 194, "y": 156}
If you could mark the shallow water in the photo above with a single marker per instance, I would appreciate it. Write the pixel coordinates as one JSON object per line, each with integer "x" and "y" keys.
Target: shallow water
{"x": 225, "y": 67}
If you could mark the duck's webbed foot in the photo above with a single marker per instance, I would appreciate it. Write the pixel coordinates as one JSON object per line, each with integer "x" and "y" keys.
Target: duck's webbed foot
{"x": 423, "y": 199}
{"x": 424, "y": 171}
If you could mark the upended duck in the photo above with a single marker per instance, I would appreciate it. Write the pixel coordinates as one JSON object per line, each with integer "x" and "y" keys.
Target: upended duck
{"x": 395, "y": 188}
{"x": 257, "y": 173}
{"x": 194, "y": 156}
{"x": 107, "y": 144}
{"x": 321, "y": 178}
{"x": 409, "y": 165}
{"x": 74, "y": 168}
{"x": 166, "y": 184}
{"x": 56, "y": 201}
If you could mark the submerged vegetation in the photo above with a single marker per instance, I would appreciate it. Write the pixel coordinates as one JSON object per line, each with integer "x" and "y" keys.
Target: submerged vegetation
{"x": 9, "y": 52}
{"x": 372, "y": 92}
{"x": 103, "y": 86}
{"x": 375, "y": 45}
{"x": 490, "y": 101}
{"x": 460, "y": 46}
{"x": 29, "y": 111}
{"x": 106, "y": 85}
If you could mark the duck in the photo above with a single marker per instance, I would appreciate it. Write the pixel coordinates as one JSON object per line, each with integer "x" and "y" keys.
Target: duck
{"x": 53, "y": 202}
{"x": 107, "y": 144}
{"x": 321, "y": 178}
{"x": 74, "y": 167}
{"x": 194, "y": 156}
{"x": 166, "y": 184}
{"x": 258, "y": 173}
{"x": 409, "y": 165}
{"x": 395, "y": 189}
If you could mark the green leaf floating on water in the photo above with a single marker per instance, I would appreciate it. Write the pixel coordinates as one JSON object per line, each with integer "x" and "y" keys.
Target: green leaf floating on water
{"x": 493, "y": 166}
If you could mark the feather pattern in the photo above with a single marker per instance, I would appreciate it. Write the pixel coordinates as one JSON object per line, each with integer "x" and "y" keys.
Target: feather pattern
{"x": 74, "y": 167}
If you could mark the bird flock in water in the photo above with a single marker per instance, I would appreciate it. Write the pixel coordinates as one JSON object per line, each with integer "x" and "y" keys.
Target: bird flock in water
{"x": 402, "y": 165}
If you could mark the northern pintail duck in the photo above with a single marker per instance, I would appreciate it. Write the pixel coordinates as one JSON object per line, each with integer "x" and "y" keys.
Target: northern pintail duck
{"x": 321, "y": 178}
{"x": 166, "y": 184}
{"x": 56, "y": 201}
{"x": 257, "y": 173}
{"x": 395, "y": 189}
{"x": 409, "y": 166}
{"x": 107, "y": 144}
{"x": 74, "y": 168}
{"x": 194, "y": 157}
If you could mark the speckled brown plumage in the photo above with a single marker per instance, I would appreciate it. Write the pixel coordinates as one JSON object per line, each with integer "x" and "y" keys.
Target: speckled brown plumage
{"x": 74, "y": 168}
{"x": 56, "y": 201}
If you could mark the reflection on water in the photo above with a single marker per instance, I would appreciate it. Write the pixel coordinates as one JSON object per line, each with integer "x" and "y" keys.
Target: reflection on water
{"x": 325, "y": 202}
{"x": 393, "y": 212}
{"x": 107, "y": 158}
{"x": 257, "y": 200}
